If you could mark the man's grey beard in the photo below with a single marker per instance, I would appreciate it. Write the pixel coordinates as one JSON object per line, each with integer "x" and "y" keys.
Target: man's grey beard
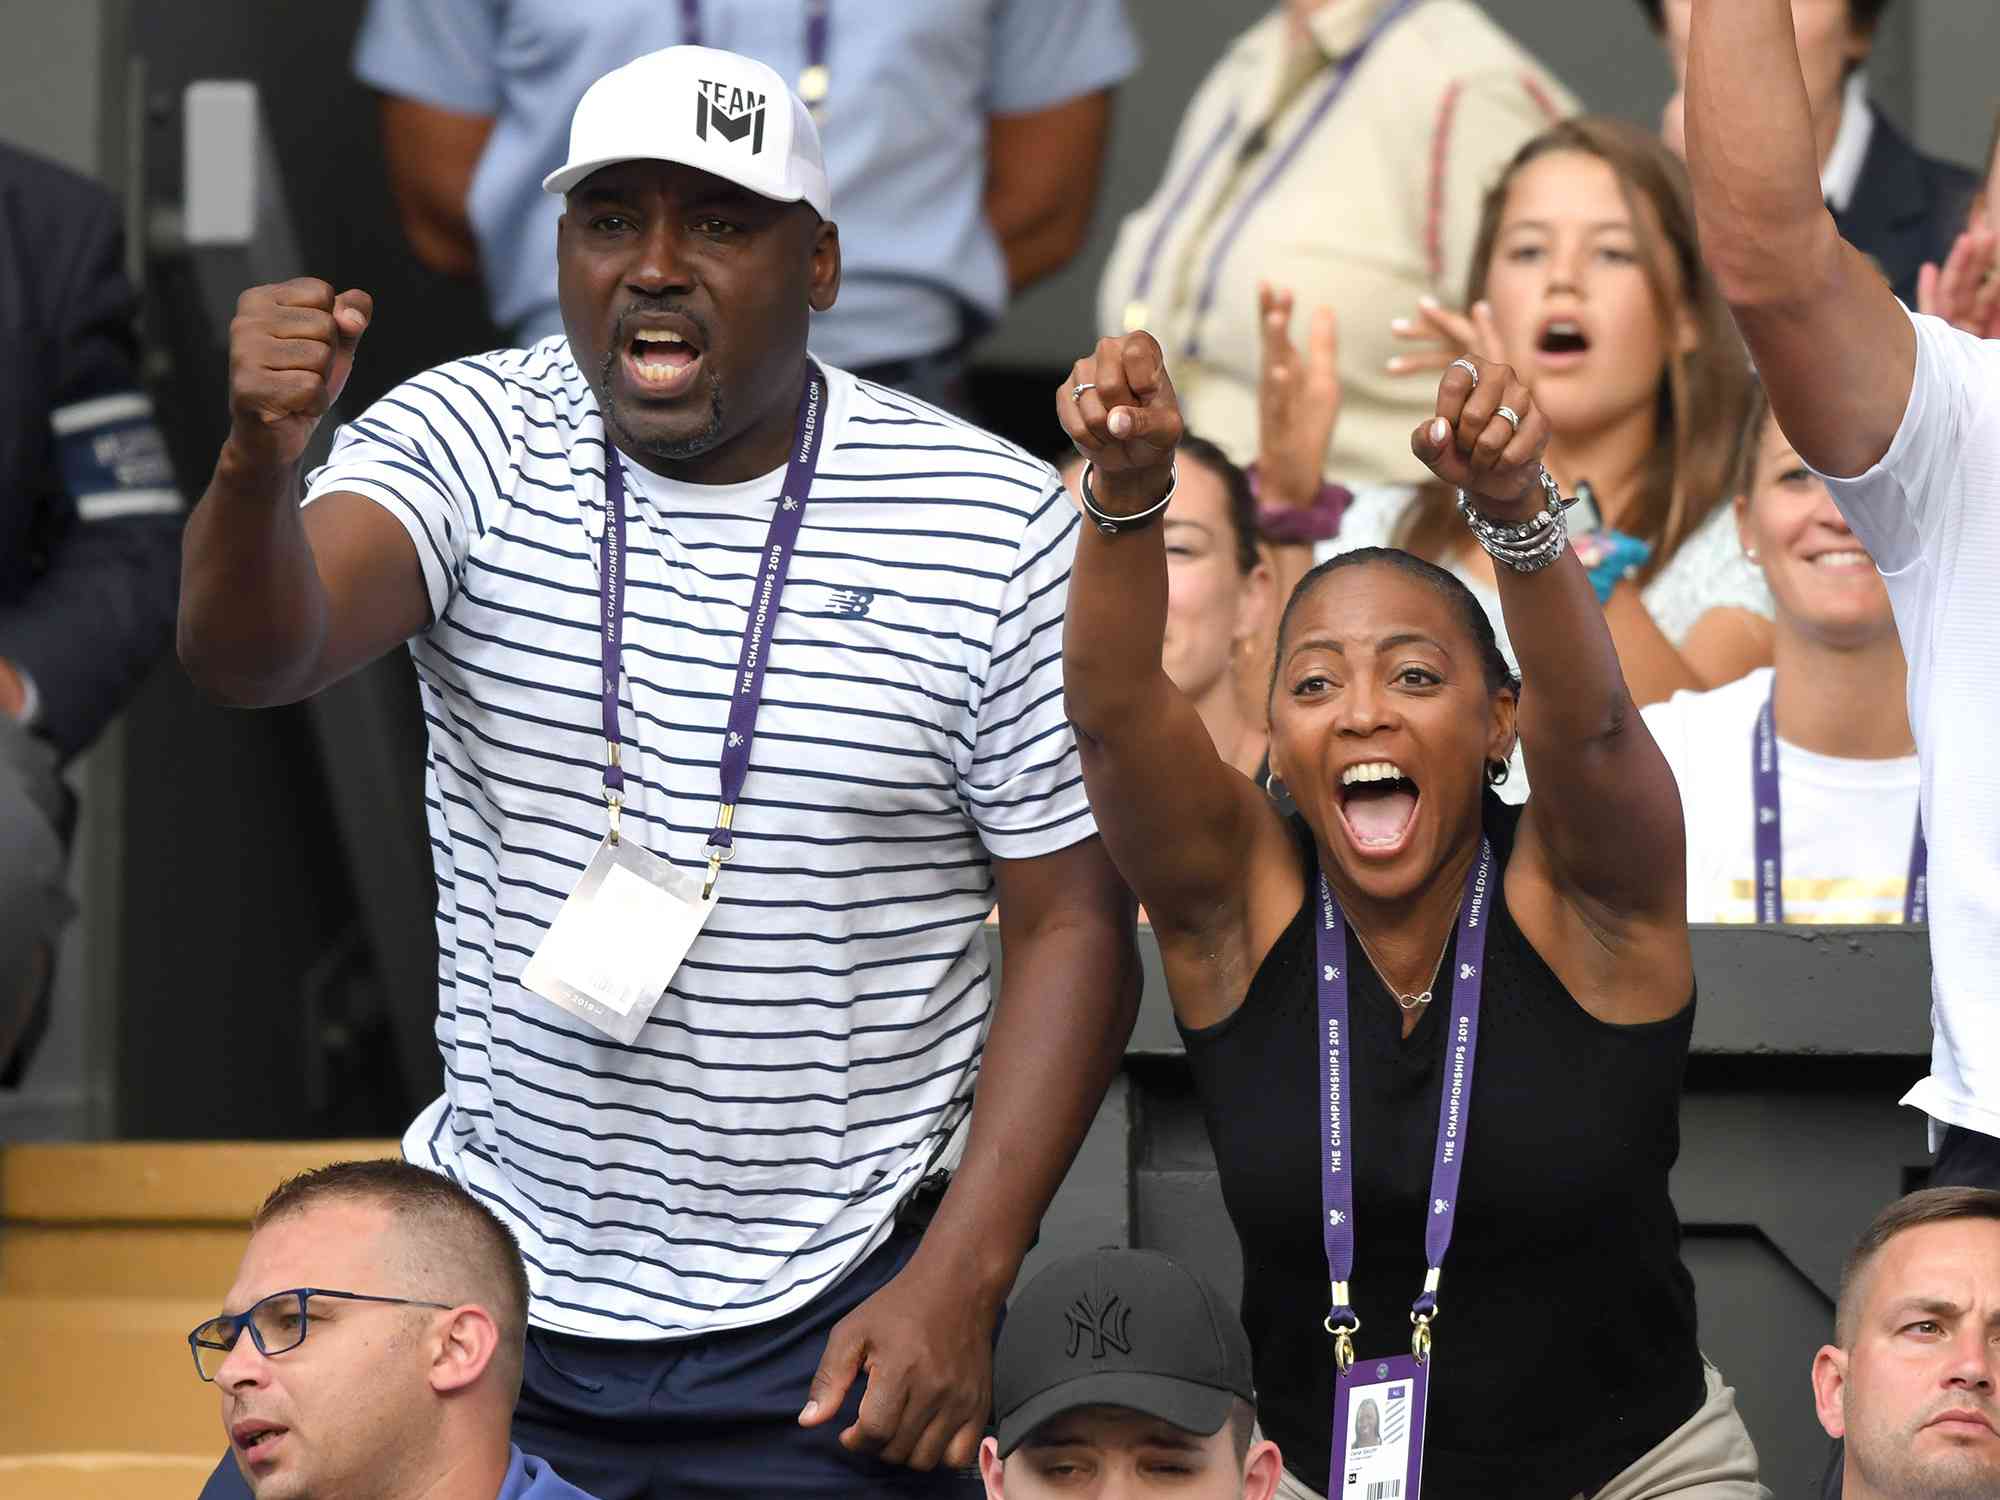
{"x": 678, "y": 449}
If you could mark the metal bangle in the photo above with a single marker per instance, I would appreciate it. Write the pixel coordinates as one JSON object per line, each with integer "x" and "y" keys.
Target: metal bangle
{"x": 1526, "y": 546}
{"x": 1112, "y": 525}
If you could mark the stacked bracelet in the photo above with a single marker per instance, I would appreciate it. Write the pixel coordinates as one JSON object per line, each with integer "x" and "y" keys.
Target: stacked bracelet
{"x": 1534, "y": 543}
{"x": 1111, "y": 525}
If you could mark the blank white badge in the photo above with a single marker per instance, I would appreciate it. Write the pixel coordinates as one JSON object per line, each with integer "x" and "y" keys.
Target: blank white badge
{"x": 617, "y": 941}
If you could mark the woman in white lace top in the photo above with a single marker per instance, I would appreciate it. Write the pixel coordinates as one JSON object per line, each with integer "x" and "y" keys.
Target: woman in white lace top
{"x": 1588, "y": 279}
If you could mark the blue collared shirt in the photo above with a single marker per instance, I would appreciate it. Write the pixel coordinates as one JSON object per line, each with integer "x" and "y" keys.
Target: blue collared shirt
{"x": 903, "y": 126}
{"x": 532, "y": 1479}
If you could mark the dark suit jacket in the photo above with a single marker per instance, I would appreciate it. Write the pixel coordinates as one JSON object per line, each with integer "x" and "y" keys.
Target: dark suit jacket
{"x": 90, "y": 518}
{"x": 1907, "y": 208}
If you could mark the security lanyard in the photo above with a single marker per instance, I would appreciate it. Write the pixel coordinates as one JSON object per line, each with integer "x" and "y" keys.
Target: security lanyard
{"x": 1767, "y": 828}
{"x": 1336, "y": 86}
{"x": 815, "y": 80}
{"x": 1454, "y": 1108}
{"x": 776, "y": 561}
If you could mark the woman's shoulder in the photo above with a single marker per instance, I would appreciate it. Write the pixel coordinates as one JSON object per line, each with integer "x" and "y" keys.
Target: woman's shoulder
{"x": 1707, "y": 571}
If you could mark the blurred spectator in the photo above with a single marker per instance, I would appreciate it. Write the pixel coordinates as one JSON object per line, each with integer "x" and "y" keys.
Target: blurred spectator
{"x": 963, "y": 140}
{"x": 1910, "y": 408}
{"x": 1799, "y": 782}
{"x": 1898, "y": 206}
{"x": 1965, "y": 289}
{"x": 1587, "y": 278}
{"x": 1909, "y": 1379}
{"x": 1219, "y": 601}
{"x": 386, "y": 1314}
{"x": 1122, "y": 1373}
{"x": 89, "y": 544}
{"x": 1337, "y": 149}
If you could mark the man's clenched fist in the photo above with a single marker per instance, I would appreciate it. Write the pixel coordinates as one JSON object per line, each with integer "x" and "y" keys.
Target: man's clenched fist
{"x": 291, "y": 347}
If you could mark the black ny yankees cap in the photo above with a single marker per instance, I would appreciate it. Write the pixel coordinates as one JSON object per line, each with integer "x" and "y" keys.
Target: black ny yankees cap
{"x": 1126, "y": 1328}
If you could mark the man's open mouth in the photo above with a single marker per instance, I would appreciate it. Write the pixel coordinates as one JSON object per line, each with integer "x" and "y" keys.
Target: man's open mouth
{"x": 1378, "y": 803}
{"x": 662, "y": 356}
{"x": 256, "y": 1441}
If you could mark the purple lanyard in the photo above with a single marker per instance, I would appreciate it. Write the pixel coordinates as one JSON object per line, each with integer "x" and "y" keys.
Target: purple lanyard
{"x": 1454, "y": 1108}
{"x": 776, "y": 556}
{"x": 1768, "y": 824}
{"x": 813, "y": 81}
{"x": 1343, "y": 75}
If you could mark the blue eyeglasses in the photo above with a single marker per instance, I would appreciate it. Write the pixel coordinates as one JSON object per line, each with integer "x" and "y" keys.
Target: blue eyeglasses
{"x": 276, "y": 1323}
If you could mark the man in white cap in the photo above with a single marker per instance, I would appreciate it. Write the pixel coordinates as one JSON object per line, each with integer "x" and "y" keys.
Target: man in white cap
{"x": 744, "y": 694}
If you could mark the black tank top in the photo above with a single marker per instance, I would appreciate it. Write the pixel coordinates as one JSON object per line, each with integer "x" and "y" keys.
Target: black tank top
{"x": 1566, "y": 1326}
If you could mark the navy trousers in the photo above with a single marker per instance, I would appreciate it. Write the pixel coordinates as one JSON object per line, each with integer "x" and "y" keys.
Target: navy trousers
{"x": 714, "y": 1416}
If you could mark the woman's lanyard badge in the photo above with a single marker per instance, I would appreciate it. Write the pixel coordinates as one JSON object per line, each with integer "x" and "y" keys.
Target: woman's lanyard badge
{"x": 621, "y": 935}
{"x": 1379, "y": 1405}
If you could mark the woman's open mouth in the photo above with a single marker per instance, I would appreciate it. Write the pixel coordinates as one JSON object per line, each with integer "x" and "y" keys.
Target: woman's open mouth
{"x": 1378, "y": 804}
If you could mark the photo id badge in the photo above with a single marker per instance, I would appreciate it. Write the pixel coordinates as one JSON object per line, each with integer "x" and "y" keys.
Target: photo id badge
{"x": 615, "y": 944}
{"x": 1378, "y": 1430}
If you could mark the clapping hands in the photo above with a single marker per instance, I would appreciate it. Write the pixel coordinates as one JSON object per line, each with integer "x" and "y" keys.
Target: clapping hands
{"x": 1298, "y": 400}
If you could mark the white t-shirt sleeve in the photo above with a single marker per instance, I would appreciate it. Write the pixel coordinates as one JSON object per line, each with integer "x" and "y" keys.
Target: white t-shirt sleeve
{"x": 426, "y": 453}
{"x": 1023, "y": 782}
{"x": 1900, "y": 508}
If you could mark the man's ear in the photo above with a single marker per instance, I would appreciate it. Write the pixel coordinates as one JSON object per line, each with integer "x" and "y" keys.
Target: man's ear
{"x": 991, "y": 1470}
{"x": 465, "y": 1344}
{"x": 1829, "y": 1382}
{"x": 825, "y": 265}
{"x": 1262, "y": 1471}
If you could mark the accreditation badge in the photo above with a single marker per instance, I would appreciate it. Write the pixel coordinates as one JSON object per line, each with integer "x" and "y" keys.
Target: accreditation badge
{"x": 1378, "y": 1429}
{"x": 619, "y": 938}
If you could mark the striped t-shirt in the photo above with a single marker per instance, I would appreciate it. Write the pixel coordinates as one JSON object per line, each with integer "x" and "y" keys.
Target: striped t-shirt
{"x": 818, "y": 1047}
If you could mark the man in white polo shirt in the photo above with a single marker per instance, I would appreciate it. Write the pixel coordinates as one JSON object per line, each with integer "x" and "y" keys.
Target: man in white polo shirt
{"x": 1909, "y": 407}
{"x": 733, "y": 744}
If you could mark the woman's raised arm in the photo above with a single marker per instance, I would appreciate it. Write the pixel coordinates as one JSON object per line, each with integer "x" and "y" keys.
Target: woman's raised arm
{"x": 1604, "y": 820}
{"x": 1177, "y": 819}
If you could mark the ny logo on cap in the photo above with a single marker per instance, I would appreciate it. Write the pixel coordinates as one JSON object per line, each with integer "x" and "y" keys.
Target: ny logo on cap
{"x": 1102, "y": 1325}
{"x": 735, "y": 112}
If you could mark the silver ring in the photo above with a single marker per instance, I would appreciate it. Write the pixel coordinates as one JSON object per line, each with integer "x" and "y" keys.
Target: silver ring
{"x": 1513, "y": 417}
{"x": 1076, "y": 391}
{"x": 1462, "y": 363}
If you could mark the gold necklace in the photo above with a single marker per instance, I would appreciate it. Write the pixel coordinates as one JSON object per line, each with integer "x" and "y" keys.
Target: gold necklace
{"x": 1404, "y": 1002}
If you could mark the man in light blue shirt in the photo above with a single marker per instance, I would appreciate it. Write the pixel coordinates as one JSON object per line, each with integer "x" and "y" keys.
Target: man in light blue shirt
{"x": 963, "y": 140}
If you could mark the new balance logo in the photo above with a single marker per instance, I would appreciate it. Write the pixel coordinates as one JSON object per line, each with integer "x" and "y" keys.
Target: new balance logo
{"x": 733, "y": 112}
{"x": 850, "y": 601}
{"x": 1103, "y": 1326}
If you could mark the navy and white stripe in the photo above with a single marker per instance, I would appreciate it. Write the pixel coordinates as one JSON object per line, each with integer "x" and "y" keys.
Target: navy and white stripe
{"x": 819, "y": 1046}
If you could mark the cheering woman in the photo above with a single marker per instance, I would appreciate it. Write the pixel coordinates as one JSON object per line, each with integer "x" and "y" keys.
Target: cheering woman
{"x": 1438, "y": 1041}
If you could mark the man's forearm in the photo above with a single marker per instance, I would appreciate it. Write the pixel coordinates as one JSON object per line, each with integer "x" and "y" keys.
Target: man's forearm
{"x": 1751, "y": 151}
{"x": 253, "y": 612}
{"x": 1068, "y": 998}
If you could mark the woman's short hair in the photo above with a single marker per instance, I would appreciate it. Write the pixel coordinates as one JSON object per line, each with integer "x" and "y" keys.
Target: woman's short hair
{"x": 1701, "y": 393}
{"x": 1471, "y": 613}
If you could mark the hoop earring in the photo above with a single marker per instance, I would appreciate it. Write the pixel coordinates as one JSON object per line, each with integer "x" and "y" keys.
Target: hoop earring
{"x": 1497, "y": 771}
{"x": 1275, "y": 788}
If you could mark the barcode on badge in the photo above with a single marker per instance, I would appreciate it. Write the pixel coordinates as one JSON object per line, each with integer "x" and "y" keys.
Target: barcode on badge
{"x": 1388, "y": 1489}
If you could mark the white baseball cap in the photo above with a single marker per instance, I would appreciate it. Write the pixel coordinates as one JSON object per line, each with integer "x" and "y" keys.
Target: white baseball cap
{"x": 702, "y": 107}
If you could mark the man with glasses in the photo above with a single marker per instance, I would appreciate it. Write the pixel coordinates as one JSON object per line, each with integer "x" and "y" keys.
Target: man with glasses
{"x": 376, "y": 1343}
